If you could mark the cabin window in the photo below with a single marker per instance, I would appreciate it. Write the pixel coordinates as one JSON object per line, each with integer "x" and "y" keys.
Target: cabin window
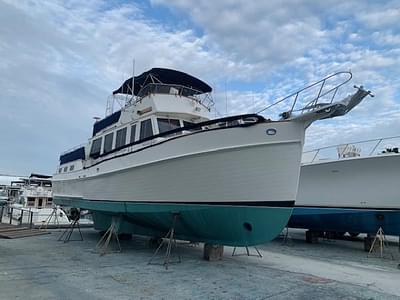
{"x": 133, "y": 133}
{"x": 96, "y": 148}
{"x": 65, "y": 169}
{"x": 167, "y": 124}
{"x": 108, "y": 139}
{"x": 146, "y": 130}
{"x": 49, "y": 201}
{"x": 31, "y": 201}
{"x": 186, "y": 123}
{"x": 59, "y": 170}
{"x": 71, "y": 168}
{"x": 121, "y": 138}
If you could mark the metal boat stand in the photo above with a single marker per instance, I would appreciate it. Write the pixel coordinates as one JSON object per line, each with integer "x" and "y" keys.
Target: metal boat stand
{"x": 247, "y": 252}
{"x": 54, "y": 215}
{"x": 286, "y": 238}
{"x": 381, "y": 242}
{"x": 170, "y": 241}
{"x": 112, "y": 231}
{"x": 67, "y": 233}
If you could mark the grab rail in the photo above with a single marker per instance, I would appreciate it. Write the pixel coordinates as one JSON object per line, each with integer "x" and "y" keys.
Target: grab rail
{"x": 311, "y": 104}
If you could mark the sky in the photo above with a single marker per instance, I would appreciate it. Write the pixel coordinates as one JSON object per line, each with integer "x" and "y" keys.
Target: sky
{"x": 60, "y": 61}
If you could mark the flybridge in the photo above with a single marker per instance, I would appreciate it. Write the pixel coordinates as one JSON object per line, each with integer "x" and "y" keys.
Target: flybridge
{"x": 156, "y": 81}
{"x": 161, "y": 81}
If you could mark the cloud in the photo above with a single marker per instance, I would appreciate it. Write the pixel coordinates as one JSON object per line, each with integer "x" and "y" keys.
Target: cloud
{"x": 381, "y": 17}
{"x": 254, "y": 31}
{"x": 60, "y": 61}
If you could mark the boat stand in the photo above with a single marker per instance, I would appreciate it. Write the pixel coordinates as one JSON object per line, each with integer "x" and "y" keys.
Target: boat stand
{"x": 170, "y": 241}
{"x": 112, "y": 231}
{"x": 286, "y": 238}
{"x": 67, "y": 233}
{"x": 54, "y": 215}
{"x": 247, "y": 252}
{"x": 381, "y": 242}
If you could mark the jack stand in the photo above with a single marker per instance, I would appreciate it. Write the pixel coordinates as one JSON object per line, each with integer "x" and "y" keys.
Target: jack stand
{"x": 381, "y": 238}
{"x": 247, "y": 252}
{"x": 104, "y": 242}
{"x": 66, "y": 235}
{"x": 170, "y": 241}
{"x": 286, "y": 238}
{"x": 48, "y": 219}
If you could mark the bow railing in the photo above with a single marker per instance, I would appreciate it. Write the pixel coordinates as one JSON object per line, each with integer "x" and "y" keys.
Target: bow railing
{"x": 327, "y": 83}
{"x": 363, "y": 148}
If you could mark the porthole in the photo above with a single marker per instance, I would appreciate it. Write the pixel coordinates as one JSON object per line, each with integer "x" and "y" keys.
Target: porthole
{"x": 247, "y": 226}
{"x": 271, "y": 131}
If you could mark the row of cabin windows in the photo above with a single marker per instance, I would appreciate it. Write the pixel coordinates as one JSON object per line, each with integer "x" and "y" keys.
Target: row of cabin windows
{"x": 146, "y": 130}
{"x": 71, "y": 168}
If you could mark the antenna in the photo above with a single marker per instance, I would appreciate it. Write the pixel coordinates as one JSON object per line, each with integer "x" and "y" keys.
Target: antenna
{"x": 226, "y": 101}
{"x": 133, "y": 78}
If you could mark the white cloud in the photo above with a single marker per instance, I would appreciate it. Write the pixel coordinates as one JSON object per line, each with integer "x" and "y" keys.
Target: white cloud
{"x": 60, "y": 60}
{"x": 379, "y": 18}
{"x": 253, "y": 31}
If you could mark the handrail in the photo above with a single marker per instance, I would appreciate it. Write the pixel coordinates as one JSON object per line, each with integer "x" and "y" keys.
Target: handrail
{"x": 181, "y": 89}
{"x": 149, "y": 88}
{"x": 378, "y": 142}
{"x": 21, "y": 217}
{"x": 311, "y": 104}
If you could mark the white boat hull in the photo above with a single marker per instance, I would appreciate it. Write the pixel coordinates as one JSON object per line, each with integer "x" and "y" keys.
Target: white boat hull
{"x": 355, "y": 195}
{"x": 233, "y": 186}
{"x": 361, "y": 182}
{"x": 237, "y": 164}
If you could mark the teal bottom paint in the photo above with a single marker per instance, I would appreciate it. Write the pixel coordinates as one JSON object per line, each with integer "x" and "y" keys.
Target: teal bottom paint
{"x": 216, "y": 224}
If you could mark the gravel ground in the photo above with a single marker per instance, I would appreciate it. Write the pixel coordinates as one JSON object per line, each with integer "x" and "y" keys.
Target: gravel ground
{"x": 43, "y": 268}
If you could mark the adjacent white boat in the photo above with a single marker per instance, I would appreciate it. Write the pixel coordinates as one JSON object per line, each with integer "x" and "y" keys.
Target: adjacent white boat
{"x": 357, "y": 191}
{"x": 30, "y": 201}
{"x": 230, "y": 181}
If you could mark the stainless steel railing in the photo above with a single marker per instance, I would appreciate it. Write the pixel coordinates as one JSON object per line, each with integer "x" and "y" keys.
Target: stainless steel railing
{"x": 313, "y": 103}
{"x": 10, "y": 212}
{"x": 360, "y": 148}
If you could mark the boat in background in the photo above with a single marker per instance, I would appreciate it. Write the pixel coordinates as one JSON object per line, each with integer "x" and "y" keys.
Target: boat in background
{"x": 160, "y": 163}
{"x": 29, "y": 200}
{"x": 8, "y": 193}
{"x": 354, "y": 190}
{"x": 32, "y": 202}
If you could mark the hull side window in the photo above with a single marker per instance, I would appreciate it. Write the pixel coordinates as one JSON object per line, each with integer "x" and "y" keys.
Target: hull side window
{"x": 167, "y": 124}
{"x": 96, "y": 148}
{"x": 146, "y": 130}
{"x": 121, "y": 138}
{"x": 108, "y": 139}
